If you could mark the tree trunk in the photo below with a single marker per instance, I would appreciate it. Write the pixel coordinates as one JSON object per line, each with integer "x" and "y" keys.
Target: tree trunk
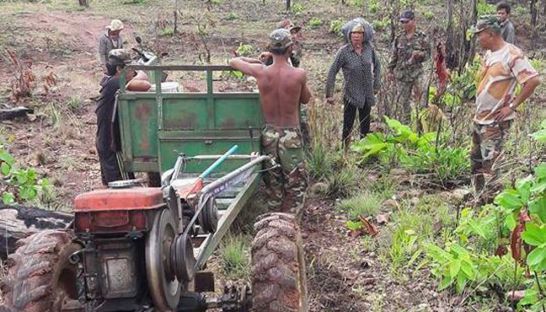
{"x": 451, "y": 50}
{"x": 288, "y": 4}
{"x": 17, "y": 222}
{"x": 534, "y": 14}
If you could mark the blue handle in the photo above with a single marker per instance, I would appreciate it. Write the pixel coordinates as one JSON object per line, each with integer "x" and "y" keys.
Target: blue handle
{"x": 218, "y": 162}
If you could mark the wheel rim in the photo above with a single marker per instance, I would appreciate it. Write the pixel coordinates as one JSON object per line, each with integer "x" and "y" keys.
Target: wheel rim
{"x": 164, "y": 286}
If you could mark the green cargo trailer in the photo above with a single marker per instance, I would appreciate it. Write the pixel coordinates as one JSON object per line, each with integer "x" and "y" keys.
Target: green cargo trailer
{"x": 156, "y": 127}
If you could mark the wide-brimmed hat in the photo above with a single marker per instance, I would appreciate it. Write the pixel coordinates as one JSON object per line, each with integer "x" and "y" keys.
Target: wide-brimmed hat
{"x": 115, "y": 25}
{"x": 280, "y": 39}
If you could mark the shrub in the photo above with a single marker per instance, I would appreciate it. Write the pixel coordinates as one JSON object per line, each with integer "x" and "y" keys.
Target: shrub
{"x": 364, "y": 204}
{"x": 335, "y": 26}
{"x": 315, "y": 22}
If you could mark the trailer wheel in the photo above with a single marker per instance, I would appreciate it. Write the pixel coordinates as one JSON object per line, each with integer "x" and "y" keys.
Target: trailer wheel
{"x": 40, "y": 277}
{"x": 278, "y": 275}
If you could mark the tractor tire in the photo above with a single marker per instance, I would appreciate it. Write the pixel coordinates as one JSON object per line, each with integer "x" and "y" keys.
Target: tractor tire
{"x": 40, "y": 277}
{"x": 279, "y": 283}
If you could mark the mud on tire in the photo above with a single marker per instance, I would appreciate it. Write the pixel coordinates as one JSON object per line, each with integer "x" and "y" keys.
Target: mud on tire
{"x": 278, "y": 275}
{"x": 40, "y": 277}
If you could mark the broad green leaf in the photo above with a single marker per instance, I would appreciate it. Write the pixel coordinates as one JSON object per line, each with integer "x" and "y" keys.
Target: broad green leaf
{"x": 510, "y": 221}
{"x": 354, "y": 226}
{"x": 8, "y": 198}
{"x": 540, "y": 171}
{"x": 536, "y": 259}
{"x": 21, "y": 178}
{"x": 530, "y": 297}
{"x": 454, "y": 268}
{"x": 539, "y": 187}
{"x": 538, "y": 207}
{"x": 461, "y": 283}
{"x": 5, "y": 168}
{"x": 534, "y": 235}
{"x": 509, "y": 199}
{"x": 523, "y": 186}
{"x": 446, "y": 281}
{"x": 539, "y": 135}
{"x": 467, "y": 268}
{"x": 6, "y": 157}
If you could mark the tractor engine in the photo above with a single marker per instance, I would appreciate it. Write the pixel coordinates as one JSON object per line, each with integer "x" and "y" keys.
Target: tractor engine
{"x": 133, "y": 256}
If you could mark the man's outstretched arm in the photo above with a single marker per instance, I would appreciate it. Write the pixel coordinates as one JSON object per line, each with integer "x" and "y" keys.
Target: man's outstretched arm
{"x": 246, "y": 65}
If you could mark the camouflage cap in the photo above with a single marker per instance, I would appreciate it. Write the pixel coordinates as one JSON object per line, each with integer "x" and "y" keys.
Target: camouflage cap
{"x": 487, "y": 22}
{"x": 280, "y": 39}
{"x": 407, "y": 15}
{"x": 119, "y": 57}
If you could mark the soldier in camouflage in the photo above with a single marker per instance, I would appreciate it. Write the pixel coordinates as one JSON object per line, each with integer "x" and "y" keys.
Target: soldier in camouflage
{"x": 282, "y": 89}
{"x": 410, "y": 50}
{"x": 504, "y": 67}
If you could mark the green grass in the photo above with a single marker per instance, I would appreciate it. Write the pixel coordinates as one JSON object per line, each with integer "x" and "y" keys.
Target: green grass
{"x": 364, "y": 204}
{"x": 235, "y": 255}
{"x": 74, "y": 103}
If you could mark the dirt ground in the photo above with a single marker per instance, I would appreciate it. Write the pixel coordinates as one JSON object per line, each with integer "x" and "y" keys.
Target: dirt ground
{"x": 58, "y": 140}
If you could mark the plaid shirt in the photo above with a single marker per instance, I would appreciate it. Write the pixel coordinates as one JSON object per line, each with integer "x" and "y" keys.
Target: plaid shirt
{"x": 362, "y": 75}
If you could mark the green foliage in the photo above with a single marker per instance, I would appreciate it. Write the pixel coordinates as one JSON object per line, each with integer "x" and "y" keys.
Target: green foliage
{"x": 540, "y": 135}
{"x": 335, "y": 26}
{"x": 429, "y": 15}
{"x": 245, "y": 50}
{"x": 297, "y": 8}
{"x": 364, "y": 204}
{"x": 522, "y": 204}
{"x": 167, "y": 32}
{"x": 381, "y": 24}
{"x": 353, "y": 225}
{"x": 485, "y": 8}
{"x": 235, "y": 256}
{"x": 320, "y": 162}
{"x": 373, "y": 6}
{"x": 480, "y": 228}
{"x": 232, "y": 16}
{"x": 461, "y": 88}
{"x": 74, "y": 103}
{"x": 315, "y": 22}
{"x": 416, "y": 153}
{"x": 342, "y": 182}
{"x": 454, "y": 265}
{"x": 20, "y": 184}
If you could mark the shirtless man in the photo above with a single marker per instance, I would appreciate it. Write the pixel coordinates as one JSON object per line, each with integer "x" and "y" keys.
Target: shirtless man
{"x": 282, "y": 89}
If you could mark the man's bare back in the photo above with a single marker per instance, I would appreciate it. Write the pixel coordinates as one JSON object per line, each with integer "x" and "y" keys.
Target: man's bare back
{"x": 282, "y": 88}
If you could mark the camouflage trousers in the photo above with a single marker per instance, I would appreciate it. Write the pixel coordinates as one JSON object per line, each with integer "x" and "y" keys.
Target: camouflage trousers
{"x": 305, "y": 129}
{"x": 287, "y": 182}
{"x": 486, "y": 153}
{"x": 405, "y": 91}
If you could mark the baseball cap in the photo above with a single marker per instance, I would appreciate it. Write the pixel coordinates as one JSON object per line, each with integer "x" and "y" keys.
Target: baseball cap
{"x": 119, "y": 57}
{"x": 486, "y": 21}
{"x": 280, "y": 38}
{"x": 407, "y": 15}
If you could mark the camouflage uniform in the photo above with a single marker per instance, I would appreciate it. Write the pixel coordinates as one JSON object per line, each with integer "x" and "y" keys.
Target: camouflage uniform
{"x": 485, "y": 156}
{"x": 287, "y": 183}
{"x": 408, "y": 72}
